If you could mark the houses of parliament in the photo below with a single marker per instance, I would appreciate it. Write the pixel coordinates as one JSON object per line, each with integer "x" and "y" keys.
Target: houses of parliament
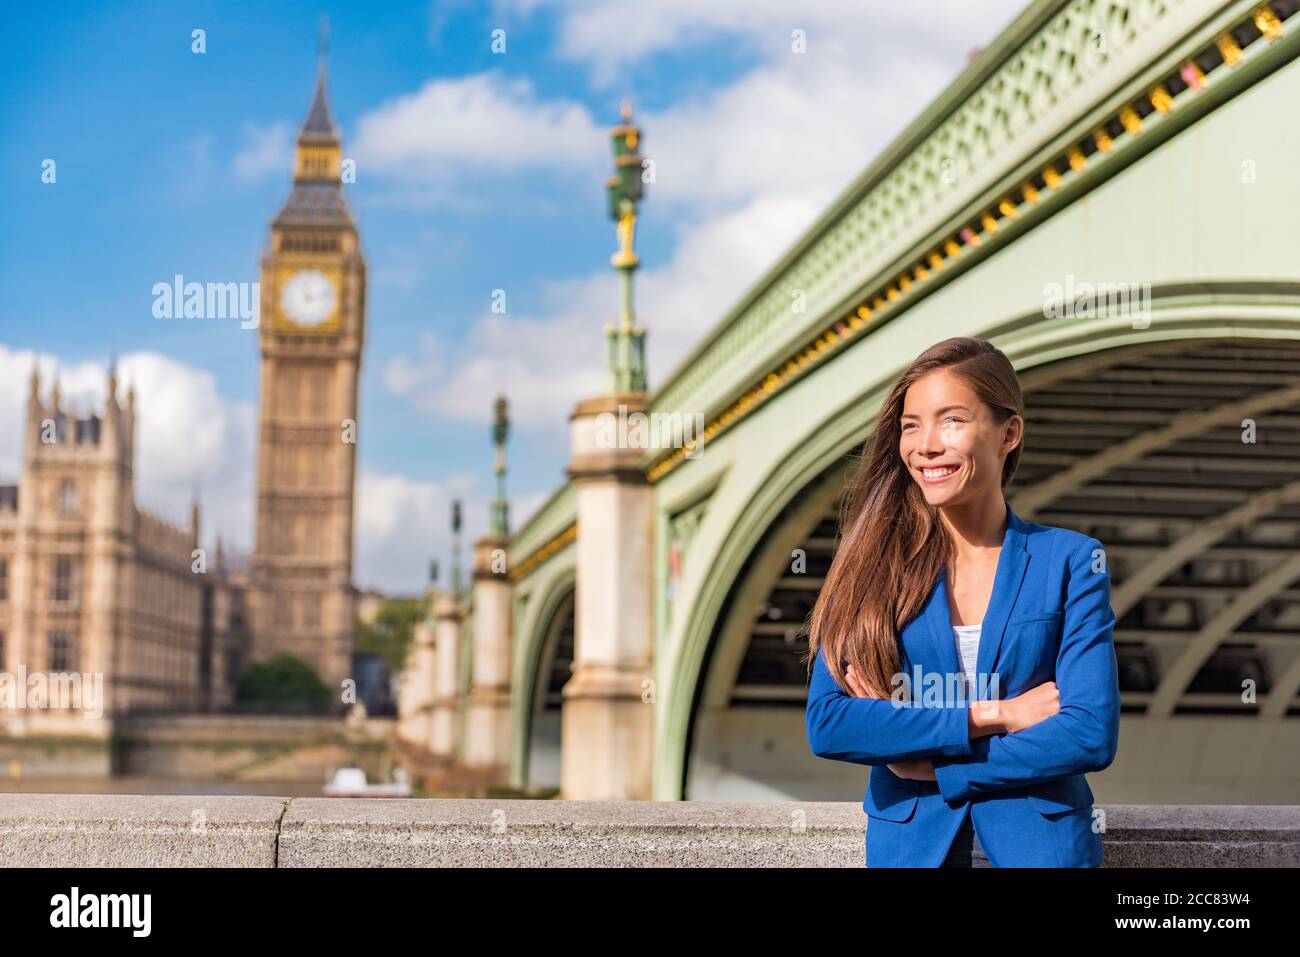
{"x": 90, "y": 583}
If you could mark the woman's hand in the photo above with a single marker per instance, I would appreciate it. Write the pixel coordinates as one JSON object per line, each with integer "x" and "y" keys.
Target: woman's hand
{"x": 994, "y": 716}
{"x": 858, "y": 686}
{"x": 1026, "y": 710}
{"x": 915, "y": 769}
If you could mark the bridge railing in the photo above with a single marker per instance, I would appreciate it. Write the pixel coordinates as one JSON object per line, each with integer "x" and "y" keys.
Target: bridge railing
{"x": 38, "y": 830}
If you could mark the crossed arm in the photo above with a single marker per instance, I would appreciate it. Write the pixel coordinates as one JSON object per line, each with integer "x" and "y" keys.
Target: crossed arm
{"x": 1082, "y": 736}
{"x": 878, "y": 731}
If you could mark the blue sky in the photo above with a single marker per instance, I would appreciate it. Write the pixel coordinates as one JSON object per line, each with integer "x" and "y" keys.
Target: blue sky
{"x": 475, "y": 171}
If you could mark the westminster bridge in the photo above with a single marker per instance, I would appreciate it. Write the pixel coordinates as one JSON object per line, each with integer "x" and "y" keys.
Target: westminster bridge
{"x": 1107, "y": 194}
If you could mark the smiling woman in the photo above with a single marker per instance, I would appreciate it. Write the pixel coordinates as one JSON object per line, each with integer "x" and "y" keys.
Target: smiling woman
{"x": 934, "y": 578}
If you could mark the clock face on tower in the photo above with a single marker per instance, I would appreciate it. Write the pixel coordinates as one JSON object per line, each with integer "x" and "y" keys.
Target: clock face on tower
{"x": 308, "y": 298}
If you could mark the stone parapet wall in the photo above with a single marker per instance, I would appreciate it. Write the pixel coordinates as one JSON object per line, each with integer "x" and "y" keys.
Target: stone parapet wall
{"x": 202, "y": 830}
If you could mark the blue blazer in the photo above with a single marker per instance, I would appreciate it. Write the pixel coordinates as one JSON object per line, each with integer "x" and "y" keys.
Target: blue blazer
{"x": 1049, "y": 619}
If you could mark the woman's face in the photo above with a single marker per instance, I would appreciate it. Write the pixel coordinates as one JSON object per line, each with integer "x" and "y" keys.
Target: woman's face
{"x": 949, "y": 441}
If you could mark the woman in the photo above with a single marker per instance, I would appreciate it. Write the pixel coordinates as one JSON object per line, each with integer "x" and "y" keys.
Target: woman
{"x": 962, "y": 652}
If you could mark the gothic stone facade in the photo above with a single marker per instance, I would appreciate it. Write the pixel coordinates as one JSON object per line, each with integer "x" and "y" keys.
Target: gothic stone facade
{"x": 92, "y": 585}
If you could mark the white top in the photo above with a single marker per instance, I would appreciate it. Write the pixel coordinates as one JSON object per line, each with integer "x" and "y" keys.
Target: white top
{"x": 968, "y": 646}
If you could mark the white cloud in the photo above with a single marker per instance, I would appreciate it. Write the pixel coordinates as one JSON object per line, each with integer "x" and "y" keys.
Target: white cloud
{"x": 611, "y": 34}
{"x": 466, "y": 125}
{"x": 406, "y": 373}
{"x": 266, "y": 149}
{"x": 402, "y": 524}
{"x": 542, "y": 365}
{"x": 187, "y": 434}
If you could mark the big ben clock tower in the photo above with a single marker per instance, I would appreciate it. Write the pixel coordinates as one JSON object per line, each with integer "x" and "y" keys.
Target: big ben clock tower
{"x": 311, "y": 331}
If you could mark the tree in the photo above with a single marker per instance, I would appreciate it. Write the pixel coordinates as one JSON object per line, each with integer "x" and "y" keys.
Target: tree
{"x": 283, "y": 685}
{"x": 389, "y": 635}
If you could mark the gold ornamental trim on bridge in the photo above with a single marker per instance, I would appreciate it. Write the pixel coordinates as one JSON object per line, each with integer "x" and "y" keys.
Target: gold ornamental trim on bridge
{"x": 544, "y": 552}
{"x": 899, "y": 290}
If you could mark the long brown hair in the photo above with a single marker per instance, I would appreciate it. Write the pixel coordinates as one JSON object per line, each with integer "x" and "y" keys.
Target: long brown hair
{"x": 892, "y": 545}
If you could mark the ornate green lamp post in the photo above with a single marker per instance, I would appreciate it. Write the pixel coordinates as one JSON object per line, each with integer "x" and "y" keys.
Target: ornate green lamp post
{"x": 626, "y": 341}
{"x": 455, "y": 547}
{"x": 500, "y": 507}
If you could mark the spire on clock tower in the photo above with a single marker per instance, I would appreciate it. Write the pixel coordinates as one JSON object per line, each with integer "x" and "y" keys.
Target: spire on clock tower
{"x": 317, "y": 197}
{"x": 320, "y": 122}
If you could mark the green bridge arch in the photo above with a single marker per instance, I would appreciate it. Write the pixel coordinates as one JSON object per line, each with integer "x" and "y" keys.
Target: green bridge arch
{"x": 1190, "y": 202}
